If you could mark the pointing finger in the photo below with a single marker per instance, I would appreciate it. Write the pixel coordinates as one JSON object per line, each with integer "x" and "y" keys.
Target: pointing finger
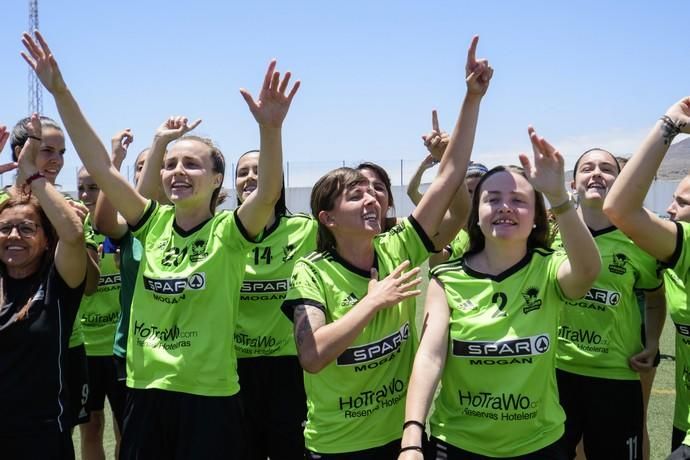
{"x": 434, "y": 120}
{"x": 472, "y": 50}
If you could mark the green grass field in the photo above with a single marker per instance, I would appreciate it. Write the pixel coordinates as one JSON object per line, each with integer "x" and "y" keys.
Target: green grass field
{"x": 660, "y": 416}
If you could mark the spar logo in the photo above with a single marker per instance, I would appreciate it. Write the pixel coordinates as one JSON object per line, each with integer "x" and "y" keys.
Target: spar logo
{"x": 109, "y": 280}
{"x": 370, "y": 352}
{"x": 514, "y": 351}
{"x": 195, "y": 281}
{"x": 603, "y": 296}
{"x": 265, "y": 286}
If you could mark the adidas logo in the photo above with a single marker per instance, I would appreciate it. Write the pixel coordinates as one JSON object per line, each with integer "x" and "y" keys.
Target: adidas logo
{"x": 349, "y": 301}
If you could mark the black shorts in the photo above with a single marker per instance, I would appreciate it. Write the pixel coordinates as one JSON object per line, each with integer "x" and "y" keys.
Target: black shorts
{"x": 607, "y": 414}
{"x": 44, "y": 445}
{"x": 77, "y": 382}
{"x": 388, "y": 451}
{"x": 103, "y": 382}
{"x": 120, "y": 363}
{"x": 441, "y": 450}
{"x": 275, "y": 407}
{"x": 167, "y": 424}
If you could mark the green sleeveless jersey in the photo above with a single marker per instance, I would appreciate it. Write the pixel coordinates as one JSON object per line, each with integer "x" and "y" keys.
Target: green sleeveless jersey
{"x": 498, "y": 394}
{"x": 99, "y": 312}
{"x": 600, "y": 332}
{"x": 677, "y": 279}
{"x": 459, "y": 245}
{"x": 357, "y": 402}
{"x": 184, "y": 308}
{"x": 262, "y": 329}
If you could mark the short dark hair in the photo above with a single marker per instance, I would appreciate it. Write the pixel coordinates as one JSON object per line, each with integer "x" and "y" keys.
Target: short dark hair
{"x": 577, "y": 162}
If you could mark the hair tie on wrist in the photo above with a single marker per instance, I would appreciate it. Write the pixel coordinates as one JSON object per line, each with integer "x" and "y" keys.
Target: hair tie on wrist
{"x": 35, "y": 138}
{"x": 415, "y": 423}
{"x": 34, "y": 177}
{"x": 671, "y": 128}
{"x": 406, "y": 448}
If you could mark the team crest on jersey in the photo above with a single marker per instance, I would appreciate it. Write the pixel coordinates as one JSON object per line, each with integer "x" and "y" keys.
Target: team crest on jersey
{"x": 288, "y": 252}
{"x": 349, "y": 301}
{"x": 531, "y": 300}
{"x": 617, "y": 265}
{"x": 198, "y": 251}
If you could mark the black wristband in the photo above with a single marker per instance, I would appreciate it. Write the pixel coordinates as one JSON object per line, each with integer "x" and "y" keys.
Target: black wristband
{"x": 415, "y": 423}
{"x": 406, "y": 448}
{"x": 34, "y": 138}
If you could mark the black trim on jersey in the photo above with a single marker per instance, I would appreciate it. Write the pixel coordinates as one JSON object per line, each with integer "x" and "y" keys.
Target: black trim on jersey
{"x": 679, "y": 247}
{"x": 288, "y": 307}
{"x": 185, "y": 233}
{"x": 240, "y": 227}
{"x": 151, "y": 207}
{"x": 276, "y": 223}
{"x": 603, "y": 231}
{"x": 428, "y": 244}
{"x": 661, "y": 284}
{"x": 357, "y": 271}
{"x": 510, "y": 271}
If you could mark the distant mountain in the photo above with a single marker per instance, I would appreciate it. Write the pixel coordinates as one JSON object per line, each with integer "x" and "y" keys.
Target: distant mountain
{"x": 676, "y": 164}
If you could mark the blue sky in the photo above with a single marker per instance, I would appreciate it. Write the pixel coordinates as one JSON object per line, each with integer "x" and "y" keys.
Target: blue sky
{"x": 585, "y": 74}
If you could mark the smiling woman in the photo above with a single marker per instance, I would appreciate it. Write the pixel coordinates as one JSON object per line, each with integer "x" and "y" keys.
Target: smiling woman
{"x": 42, "y": 272}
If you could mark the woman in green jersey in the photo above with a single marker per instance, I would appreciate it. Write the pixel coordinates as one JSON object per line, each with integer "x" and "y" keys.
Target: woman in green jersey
{"x": 271, "y": 382}
{"x": 99, "y": 314}
{"x": 600, "y": 349}
{"x": 185, "y": 302}
{"x": 352, "y": 301}
{"x": 665, "y": 240}
{"x": 490, "y": 321}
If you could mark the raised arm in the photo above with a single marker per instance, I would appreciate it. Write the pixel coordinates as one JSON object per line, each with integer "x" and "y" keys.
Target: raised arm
{"x": 4, "y": 136}
{"x": 416, "y": 179}
{"x": 106, "y": 219}
{"x": 319, "y": 344}
{"x": 173, "y": 128}
{"x": 87, "y": 144}
{"x": 427, "y": 369}
{"x": 70, "y": 253}
{"x": 269, "y": 110}
{"x": 547, "y": 175}
{"x": 436, "y": 142}
{"x": 624, "y": 202}
{"x": 436, "y": 201}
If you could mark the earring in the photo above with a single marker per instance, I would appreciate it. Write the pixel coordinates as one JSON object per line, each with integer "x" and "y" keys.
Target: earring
{"x": 534, "y": 225}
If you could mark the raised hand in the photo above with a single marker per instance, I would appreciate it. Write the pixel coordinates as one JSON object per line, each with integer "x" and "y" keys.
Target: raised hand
{"x": 547, "y": 174}
{"x": 41, "y": 60}
{"x": 478, "y": 72}
{"x": 27, "y": 157}
{"x": 435, "y": 141}
{"x": 396, "y": 287}
{"x": 676, "y": 120}
{"x": 120, "y": 143}
{"x": 273, "y": 104}
{"x": 174, "y": 128}
{"x": 4, "y": 135}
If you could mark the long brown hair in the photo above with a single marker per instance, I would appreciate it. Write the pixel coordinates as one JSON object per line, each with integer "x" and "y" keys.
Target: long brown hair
{"x": 16, "y": 197}
{"x": 538, "y": 238}
{"x": 324, "y": 195}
